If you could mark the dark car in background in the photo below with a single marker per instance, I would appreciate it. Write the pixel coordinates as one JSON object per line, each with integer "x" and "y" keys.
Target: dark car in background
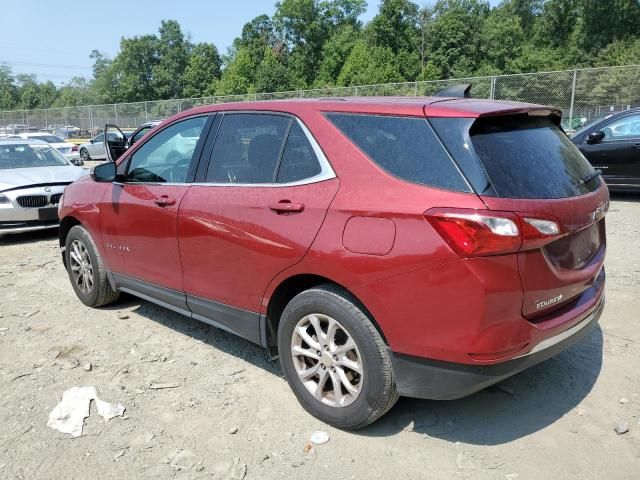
{"x": 612, "y": 144}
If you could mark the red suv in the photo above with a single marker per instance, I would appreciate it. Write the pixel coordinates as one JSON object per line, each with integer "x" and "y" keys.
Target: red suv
{"x": 426, "y": 247}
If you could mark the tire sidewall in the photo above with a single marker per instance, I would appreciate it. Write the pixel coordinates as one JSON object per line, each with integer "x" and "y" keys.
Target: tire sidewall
{"x": 324, "y": 302}
{"x": 79, "y": 233}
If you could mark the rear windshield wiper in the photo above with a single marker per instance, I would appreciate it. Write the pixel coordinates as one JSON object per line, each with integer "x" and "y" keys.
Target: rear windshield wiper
{"x": 590, "y": 176}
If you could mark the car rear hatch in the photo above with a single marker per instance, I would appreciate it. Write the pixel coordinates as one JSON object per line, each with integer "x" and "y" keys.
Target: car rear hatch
{"x": 521, "y": 163}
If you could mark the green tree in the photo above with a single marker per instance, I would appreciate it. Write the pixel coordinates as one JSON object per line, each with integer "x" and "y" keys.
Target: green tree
{"x": 8, "y": 89}
{"x": 239, "y": 75}
{"x": 273, "y": 75}
{"x": 202, "y": 71}
{"x": 172, "y": 58}
{"x": 134, "y": 67}
{"x": 48, "y": 93}
{"x": 608, "y": 21}
{"x": 335, "y": 52}
{"x": 501, "y": 40}
{"x": 369, "y": 65}
{"x": 28, "y": 90}
{"x": 455, "y": 39}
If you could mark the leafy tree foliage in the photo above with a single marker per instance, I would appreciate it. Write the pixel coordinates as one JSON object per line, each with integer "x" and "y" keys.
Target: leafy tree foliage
{"x": 320, "y": 43}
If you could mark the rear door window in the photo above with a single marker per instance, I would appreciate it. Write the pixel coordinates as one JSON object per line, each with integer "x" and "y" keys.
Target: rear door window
{"x": 530, "y": 157}
{"x": 406, "y": 147}
{"x": 248, "y": 148}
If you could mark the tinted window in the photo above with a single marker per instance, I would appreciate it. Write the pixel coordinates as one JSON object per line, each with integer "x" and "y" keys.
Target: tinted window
{"x": 248, "y": 148}
{"x": 99, "y": 138}
{"x": 166, "y": 156}
{"x": 623, "y": 128}
{"x": 298, "y": 161}
{"x": 405, "y": 147}
{"x": 528, "y": 157}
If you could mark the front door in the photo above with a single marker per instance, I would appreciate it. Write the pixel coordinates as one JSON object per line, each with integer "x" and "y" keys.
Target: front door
{"x": 139, "y": 217}
{"x": 254, "y": 214}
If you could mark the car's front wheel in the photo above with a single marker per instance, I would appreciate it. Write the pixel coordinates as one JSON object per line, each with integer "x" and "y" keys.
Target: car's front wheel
{"x": 86, "y": 270}
{"x": 334, "y": 358}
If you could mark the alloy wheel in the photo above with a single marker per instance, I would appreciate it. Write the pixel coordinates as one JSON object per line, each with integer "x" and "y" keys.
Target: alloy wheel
{"x": 327, "y": 360}
{"x": 81, "y": 267}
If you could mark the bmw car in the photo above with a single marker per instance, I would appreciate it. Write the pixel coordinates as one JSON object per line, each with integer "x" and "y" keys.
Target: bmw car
{"x": 33, "y": 176}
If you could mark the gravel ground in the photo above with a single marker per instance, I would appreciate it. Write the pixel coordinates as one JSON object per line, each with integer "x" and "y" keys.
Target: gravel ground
{"x": 230, "y": 414}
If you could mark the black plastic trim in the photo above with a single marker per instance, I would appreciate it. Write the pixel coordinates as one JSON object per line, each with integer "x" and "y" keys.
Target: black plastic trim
{"x": 235, "y": 320}
{"x": 245, "y": 324}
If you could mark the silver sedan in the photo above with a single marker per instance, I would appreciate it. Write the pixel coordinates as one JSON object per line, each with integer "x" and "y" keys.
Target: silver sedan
{"x": 33, "y": 177}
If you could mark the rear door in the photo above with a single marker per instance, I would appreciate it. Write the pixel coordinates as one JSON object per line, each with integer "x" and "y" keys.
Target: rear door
{"x": 255, "y": 211}
{"x": 532, "y": 168}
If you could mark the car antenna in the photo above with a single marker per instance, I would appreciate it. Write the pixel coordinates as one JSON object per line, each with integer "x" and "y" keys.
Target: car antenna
{"x": 462, "y": 90}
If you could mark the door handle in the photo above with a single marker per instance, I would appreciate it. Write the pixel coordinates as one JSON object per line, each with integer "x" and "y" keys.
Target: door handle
{"x": 285, "y": 206}
{"x": 164, "y": 201}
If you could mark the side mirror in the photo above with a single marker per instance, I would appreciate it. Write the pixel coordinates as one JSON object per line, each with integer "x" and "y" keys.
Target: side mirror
{"x": 595, "y": 137}
{"x": 104, "y": 173}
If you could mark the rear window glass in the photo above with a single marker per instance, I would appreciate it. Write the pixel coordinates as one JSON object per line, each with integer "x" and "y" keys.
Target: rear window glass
{"x": 403, "y": 146}
{"x": 529, "y": 157}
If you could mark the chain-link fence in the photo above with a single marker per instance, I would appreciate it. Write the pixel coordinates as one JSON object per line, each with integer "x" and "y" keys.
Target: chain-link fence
{"x": 581, "y": 95}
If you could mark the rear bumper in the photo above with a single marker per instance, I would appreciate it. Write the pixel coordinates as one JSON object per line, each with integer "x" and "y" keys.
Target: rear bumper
{"x": 437, "y": 380}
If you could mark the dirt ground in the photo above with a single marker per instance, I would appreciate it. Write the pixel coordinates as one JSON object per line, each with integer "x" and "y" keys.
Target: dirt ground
{"x": 554, "y": 421}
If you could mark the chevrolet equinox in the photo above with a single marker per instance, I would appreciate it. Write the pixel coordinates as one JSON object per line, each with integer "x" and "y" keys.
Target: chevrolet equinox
{"x": 426, "y": 247}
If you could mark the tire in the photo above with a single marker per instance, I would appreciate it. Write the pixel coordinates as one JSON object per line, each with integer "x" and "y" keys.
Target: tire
{"x": 84, "y": 155}
{"x": 377, "y": 390}
{"x": 98, "y": 292}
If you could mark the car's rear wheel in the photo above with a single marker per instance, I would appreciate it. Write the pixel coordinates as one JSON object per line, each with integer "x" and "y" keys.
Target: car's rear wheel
{"x": 86, "y": 269}
{"x": 334, "y": 358}
{"x": 84, "y": 155}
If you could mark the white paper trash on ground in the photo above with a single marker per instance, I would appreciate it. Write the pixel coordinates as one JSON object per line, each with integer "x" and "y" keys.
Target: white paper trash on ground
{"x": 68, "y": 416}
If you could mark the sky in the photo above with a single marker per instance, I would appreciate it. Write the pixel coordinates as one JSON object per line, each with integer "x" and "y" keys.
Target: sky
{"x": 53, "y": 39}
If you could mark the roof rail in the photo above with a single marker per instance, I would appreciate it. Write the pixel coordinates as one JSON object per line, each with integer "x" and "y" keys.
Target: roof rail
{"x": 462, "y": 90}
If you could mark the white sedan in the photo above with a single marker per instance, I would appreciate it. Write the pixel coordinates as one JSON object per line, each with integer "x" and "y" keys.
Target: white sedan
{"x": 70, "y": 151}
{"x": 33, "y": 176}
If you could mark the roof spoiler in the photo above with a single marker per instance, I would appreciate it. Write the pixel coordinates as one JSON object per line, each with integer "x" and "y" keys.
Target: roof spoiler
{"x": 462, "y": 90}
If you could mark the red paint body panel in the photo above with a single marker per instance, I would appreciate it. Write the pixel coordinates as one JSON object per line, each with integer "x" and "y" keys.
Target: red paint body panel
{"x": 427, "y": 301}
{"x": 232, "y": 244}
{"x": 141, "y": 238}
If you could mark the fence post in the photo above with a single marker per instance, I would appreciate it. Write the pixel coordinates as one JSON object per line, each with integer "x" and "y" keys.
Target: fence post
{"x": 573, "y": 97}
{"x": 115, "y": 109}
{"x": 46, "y": 122}
{"x": 355, "y": 93}
{"x": 416, "y": 89}
{"x": 492, "y": 95}
{"x": 146, "y": 112}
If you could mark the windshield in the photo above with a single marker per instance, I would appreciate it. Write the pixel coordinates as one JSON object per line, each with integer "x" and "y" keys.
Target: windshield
{"x": 48, "y": 138}
{"x": 29, "y": 156}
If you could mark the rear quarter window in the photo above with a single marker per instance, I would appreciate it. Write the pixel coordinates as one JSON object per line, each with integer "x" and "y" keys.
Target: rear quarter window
{"x": 405, "y": 147}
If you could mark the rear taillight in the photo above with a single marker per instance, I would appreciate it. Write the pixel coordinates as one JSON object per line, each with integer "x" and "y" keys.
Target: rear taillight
{"x": 75, "y": 148}
{"x": 479, "y": 233}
